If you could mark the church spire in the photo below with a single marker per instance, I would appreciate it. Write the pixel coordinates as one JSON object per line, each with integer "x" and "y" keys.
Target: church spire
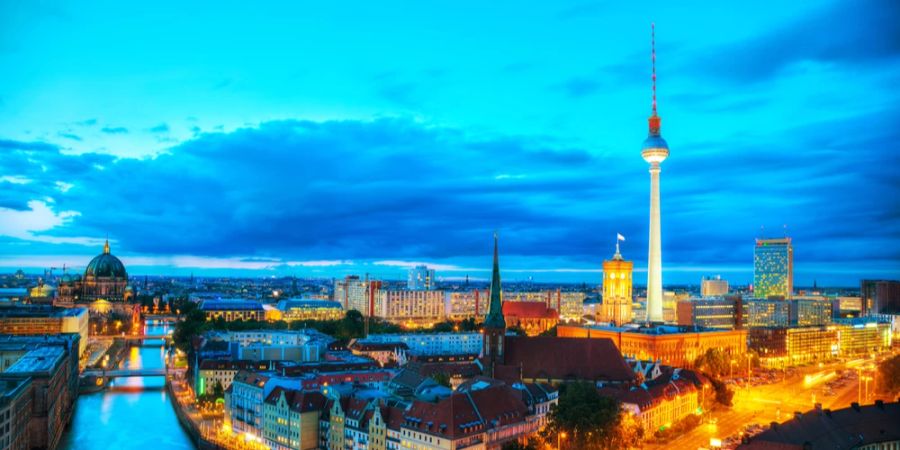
{"x": 495, "y": 318}
{"x": 106, "y": 247}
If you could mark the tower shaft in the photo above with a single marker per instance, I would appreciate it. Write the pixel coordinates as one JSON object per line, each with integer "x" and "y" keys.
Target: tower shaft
{"x": 654, "y": 257}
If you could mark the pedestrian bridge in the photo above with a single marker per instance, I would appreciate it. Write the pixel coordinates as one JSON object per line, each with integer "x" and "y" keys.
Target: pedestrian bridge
{"x": 124, "y": 373}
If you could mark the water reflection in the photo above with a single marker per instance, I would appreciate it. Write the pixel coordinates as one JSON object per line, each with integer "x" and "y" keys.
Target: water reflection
{"x": 134, "y": 413}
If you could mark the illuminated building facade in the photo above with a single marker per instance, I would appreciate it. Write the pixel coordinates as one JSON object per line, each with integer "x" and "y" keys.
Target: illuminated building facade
{"x": 532, "y": 317}
{"x": 292, "y": 419}
{"x": 105, "y": 280}
{"x": 46, "y": 320}
{"x": 468, "y": 304}
{"x": 617, "y": 281}
{"x": 773, "y": 268}
{"x": 724, "y": 313}
{"x": 768, "y": 313}
{"x": 409, "y": 308}
{"x": 354, "y": 293}
{"x": 861, "y": 337}
{"x": 420, "y": 278}
{"x": 810, "y": 312}
{"x": 233, "y": 309}
{"x": 433, "y": 344}
{"x": 713, "y": 287}
{"x": 671, "y": 345}
{"x": 308, "y": 309}
{"x": 779, "y": 347}
{"x": 15, "y": 412}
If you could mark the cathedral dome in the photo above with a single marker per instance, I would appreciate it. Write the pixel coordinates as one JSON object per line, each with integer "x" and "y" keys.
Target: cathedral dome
{"x": 105, "y": 265}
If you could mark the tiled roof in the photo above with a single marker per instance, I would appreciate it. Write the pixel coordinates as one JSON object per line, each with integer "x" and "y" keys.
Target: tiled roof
{"x": 846, "y": 428}
{"x": 529, "y": 310}
{"x": 566, "y": 358}
{"x": 247, "y": 377}
{"x": 298, "y": 401}
{"x": 466, "y": 413}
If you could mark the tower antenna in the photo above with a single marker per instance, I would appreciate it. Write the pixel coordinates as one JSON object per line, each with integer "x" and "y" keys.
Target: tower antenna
{"x": 653, "y": 61}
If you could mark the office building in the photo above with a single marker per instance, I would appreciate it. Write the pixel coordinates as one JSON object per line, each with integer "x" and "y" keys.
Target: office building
{"x": 773, "y": 268}
{"x": 421, "y": 278}
{"x": 45, "y": 319}
{"x": 412, "y": 309}
{"x": 880, "y": 297}
{"x": 811, "y": 312}
{"x": 725, "y": 313}
{"x": 51, "y": 365}
{"x": 617, "y": 282}
{"x": 15, "y": 412}
{"x": 356, "y": 294}
{"x": 432, "y": 344}
{"x": 780, "y": 347}
{"x": 467, "y": 305}
{"x": 713, "y": 287}
{"x": 862, "y": 336}
{"x": 768, "y": 313}
{"x": 309, "y": 309}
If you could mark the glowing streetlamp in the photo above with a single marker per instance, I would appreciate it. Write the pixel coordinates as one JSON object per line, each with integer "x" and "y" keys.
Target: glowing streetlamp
{"x": 560, "y": 435}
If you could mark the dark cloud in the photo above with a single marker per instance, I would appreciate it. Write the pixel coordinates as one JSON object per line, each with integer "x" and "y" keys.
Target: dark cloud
{"x": 18, "y": 145}
{"x": 70, "y": 136}
{"x": 161, "y": 128}
{"x": 399, "y": 189}
{"x": 853, "y": 32}
{"x": 114, "y": 130}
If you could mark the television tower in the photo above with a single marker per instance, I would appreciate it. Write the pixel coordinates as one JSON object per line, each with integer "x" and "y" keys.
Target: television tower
{"x": 655, "y": 150}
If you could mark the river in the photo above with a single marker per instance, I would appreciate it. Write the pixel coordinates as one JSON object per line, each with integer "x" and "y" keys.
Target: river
{"x": 134, "y": 413}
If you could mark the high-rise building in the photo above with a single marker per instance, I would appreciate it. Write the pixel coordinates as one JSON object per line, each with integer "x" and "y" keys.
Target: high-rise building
{"x": 420, "y": 278}
{"x": 655, "y": 150}
{"x": 616, "y": 307}
{"x": 722, "y": 313}
{"x": 880, "y": 297}
{"x": 713, "y": 287}
{"x": 355, "y": 293}
{"x": 773, "y": 268}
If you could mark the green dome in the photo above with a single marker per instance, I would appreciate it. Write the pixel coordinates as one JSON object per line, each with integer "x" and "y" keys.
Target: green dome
{"x": 105, "y": 265}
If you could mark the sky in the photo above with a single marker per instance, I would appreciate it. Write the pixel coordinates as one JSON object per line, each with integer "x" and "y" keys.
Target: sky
{"x": 320, "y": 139}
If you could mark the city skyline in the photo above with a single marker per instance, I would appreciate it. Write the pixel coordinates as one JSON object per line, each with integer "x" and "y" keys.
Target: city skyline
{"x": 304, "y": 167}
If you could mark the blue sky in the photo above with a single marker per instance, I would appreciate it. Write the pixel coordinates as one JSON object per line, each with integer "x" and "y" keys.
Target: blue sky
{"x": 324, "y": 139}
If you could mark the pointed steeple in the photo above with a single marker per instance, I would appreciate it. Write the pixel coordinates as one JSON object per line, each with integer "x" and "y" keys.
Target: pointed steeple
{"x": 106, "y": 247}
{"x": 495, "y": 318}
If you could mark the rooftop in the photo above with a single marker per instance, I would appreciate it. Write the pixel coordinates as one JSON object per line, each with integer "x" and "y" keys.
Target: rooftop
{"x": 41, "y": 359}
{"x": 230, "y": 305}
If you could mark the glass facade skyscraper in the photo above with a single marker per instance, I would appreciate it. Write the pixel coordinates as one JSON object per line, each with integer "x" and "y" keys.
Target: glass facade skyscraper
{"x": 773, "y": 268}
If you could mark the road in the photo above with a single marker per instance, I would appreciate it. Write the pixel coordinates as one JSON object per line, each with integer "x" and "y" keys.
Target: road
{"x": 768, "y": 403}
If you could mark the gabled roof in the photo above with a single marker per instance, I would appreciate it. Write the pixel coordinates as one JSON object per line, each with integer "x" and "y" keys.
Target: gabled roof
{"x": 529, "y": 310}
{"x": 297, "y": 401}
{"x": 247, "y": 377}
{"x": 566, "y": 358}
{"x": 466, "y": 413}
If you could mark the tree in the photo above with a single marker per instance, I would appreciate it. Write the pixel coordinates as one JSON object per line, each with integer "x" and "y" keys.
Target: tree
{"x": 218, "y": 390}
{"x": 724, "y": 395}
{"x": 441, "y": 378}
{"x": 589, "y": 420}
{"x": 889, "y": 375}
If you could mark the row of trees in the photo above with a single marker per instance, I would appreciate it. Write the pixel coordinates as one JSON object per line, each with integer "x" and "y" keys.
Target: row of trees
{"x": 889, "y": 376}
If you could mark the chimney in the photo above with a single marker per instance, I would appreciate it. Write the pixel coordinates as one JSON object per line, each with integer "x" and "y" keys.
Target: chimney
{"x": 819, "y": 408}
{"x": 879, "y": 404}
{"x": 773, "y": 426}
{"x": 798, "y": 415}
{"x": 828, "y": 412}
{"x": 855, "y": 406}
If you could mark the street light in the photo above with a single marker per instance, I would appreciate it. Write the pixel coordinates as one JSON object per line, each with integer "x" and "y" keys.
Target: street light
{"x": 558, "y": 436}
